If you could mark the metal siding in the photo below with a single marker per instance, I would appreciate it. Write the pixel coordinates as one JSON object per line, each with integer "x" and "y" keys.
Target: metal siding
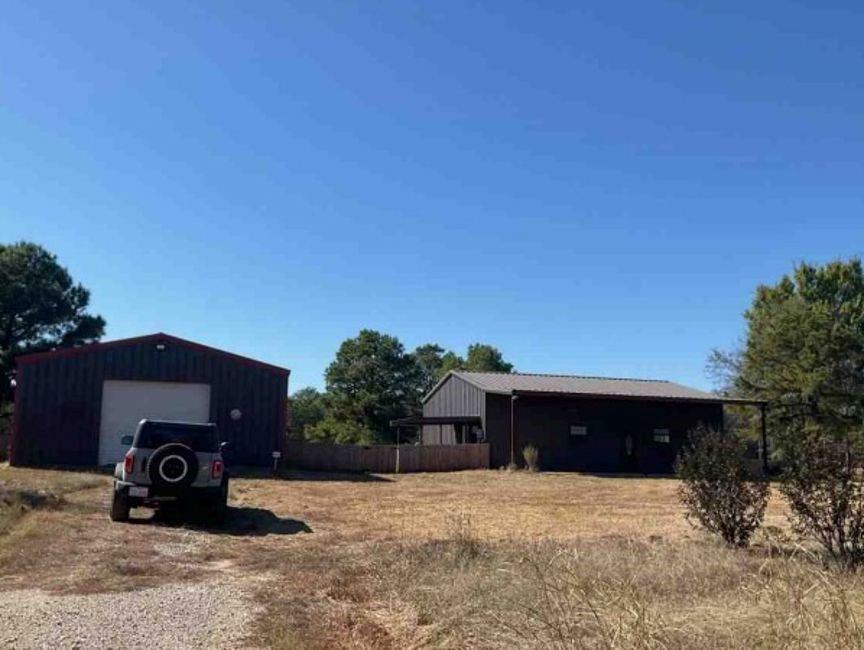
{"x": 59, "y": 399}
{"x": 497, "y": 427}
{"x": 544, "y": 422}
{"x": 454, "y": 397}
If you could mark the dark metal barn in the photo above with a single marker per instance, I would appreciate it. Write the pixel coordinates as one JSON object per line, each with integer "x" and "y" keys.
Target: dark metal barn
{"x": 73, "y": 406}
{"x": 578, "y": 423}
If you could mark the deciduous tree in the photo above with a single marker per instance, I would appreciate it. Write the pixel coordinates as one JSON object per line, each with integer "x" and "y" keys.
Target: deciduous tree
{"x": 372, "y": 381}
{"x": 485, "y": 358}
{"x": 308, "y": 408}
{"x": 430, "y": 361}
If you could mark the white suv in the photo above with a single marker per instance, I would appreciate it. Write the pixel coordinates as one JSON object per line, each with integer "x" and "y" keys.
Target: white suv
{"x": 171, "y": 463}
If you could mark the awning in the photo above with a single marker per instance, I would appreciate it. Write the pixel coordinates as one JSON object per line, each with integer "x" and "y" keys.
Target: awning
{"x": 419, "y": 420}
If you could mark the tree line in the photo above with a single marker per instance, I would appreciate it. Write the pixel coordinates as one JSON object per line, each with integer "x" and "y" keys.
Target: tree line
{"x": 803, "y": 353}
{"x": 373, "y": 380}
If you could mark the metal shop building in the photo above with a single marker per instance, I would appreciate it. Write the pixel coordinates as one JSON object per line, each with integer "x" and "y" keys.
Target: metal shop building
{"x": 73, "y": 406}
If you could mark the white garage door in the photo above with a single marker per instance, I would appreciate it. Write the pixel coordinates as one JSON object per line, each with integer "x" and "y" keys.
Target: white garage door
{"x": 126, "y": 403}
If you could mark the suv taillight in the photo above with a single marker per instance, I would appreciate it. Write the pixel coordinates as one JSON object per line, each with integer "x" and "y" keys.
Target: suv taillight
{"x": 216, "y": 469}
{"x": 128, "y": 462}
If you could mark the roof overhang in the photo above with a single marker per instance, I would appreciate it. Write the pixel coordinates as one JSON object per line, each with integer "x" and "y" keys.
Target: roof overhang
{"x": 456, "y": 373}
{"x": 419, "y": 420}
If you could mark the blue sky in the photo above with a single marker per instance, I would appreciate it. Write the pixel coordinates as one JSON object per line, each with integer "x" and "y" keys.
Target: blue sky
{"x": 593, "y": 187}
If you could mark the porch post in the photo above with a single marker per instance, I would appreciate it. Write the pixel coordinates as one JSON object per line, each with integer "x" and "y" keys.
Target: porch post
{"x": 513, "y": 399}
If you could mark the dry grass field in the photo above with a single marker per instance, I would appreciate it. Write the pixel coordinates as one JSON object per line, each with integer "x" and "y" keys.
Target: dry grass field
{"x": 479, "y": 559}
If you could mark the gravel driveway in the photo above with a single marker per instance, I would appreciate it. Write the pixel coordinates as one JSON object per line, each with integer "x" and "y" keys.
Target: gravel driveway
{"x": 213, "y": 614}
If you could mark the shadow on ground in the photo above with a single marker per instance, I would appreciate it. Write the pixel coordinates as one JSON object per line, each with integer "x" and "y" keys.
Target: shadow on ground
{"x": 622, "y": 475}
{"x": 244, "y": 471}
{"x": 243, "y": 521}
{"x": 302, "y": 475}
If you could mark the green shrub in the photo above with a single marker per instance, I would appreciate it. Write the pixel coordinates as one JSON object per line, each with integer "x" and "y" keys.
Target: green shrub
{"x": 717, "y": 487}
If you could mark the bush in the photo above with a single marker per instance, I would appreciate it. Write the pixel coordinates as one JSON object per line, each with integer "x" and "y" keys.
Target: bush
{"x": 823, "y": 483}
{"x": 717, "y": 487}
{"x": 532, "y": 457}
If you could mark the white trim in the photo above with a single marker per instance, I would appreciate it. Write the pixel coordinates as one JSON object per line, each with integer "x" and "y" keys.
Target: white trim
{"x": 179, "y": 478}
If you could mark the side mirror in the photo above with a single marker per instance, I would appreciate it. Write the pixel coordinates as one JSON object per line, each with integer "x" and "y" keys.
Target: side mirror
{"x": 225, "y": 446}
{"x": 126, "y": 440}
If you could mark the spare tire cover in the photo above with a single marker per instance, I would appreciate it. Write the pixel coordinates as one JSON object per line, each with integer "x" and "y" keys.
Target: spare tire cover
{"x": 173, "y": 466}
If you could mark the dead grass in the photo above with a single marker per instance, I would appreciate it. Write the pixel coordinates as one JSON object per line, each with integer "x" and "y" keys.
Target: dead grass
{"x": 623, "y": 593}
{"x": 480, "y": 559}
{"x": 54, "y": 534}
{"x": 503, "y": 505}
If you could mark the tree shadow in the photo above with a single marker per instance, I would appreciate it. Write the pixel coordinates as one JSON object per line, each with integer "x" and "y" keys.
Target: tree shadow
{"x": 242, "y": 521}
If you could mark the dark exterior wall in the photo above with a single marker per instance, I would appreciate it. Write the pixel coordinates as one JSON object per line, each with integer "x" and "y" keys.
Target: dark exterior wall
{"x": 58, "y": 399}
{"x": 545, "y": 422}
{"x": 455, "y": 397}
{"x": 498, "y": 429}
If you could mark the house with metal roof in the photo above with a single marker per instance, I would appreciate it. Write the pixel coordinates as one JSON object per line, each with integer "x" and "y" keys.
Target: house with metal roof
{"x": 593, "y": 424}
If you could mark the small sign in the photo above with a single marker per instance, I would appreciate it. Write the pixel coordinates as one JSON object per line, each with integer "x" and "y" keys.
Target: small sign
{"x": 277, "y": 454}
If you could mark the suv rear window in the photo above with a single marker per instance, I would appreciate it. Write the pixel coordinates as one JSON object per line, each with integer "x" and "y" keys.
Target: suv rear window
{"x": 203, "y": 439}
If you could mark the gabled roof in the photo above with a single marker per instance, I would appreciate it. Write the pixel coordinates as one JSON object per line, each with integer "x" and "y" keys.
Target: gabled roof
{"x": 510, "y": 383}
{"x": 154, "y": 338}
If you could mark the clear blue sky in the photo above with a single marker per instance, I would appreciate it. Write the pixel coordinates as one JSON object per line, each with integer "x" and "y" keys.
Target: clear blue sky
{"x": 593, "y": 187}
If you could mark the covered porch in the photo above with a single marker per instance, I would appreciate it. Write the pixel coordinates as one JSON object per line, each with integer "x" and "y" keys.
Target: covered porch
{"x": 442, "y": 430}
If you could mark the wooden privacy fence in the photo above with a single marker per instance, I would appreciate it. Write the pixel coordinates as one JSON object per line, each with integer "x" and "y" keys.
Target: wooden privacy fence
{"x": 382, "y": 459}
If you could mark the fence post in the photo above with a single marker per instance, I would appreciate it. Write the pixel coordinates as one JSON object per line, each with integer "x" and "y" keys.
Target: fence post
{"x": 398, "y": 431}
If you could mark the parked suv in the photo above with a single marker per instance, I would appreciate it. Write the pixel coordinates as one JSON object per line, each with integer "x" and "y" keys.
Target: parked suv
{"x": 168, "y": 464}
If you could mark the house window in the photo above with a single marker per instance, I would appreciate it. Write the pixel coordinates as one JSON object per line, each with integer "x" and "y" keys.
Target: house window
{"x": 578, "y": 431}
{"x": 661, "y": 436}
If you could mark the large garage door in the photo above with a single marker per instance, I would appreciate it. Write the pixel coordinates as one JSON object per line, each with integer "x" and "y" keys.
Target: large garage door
{"x": 126, "y": 403}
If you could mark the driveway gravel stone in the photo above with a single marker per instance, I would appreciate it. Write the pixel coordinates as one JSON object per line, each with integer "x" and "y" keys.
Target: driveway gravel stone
{"x": 213, "y": 614}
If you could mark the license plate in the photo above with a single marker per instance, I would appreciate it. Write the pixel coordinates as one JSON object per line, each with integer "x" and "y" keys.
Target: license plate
{"x": 137, "y": 491}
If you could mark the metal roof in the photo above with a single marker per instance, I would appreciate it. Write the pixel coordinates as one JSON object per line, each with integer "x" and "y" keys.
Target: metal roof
{"x": 514, "y": 383}
{"x": 159, "y": 337}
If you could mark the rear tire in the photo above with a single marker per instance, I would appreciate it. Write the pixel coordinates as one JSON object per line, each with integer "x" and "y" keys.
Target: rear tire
{"x": 120, "y": 505}
{"x": 173, "y": 451}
